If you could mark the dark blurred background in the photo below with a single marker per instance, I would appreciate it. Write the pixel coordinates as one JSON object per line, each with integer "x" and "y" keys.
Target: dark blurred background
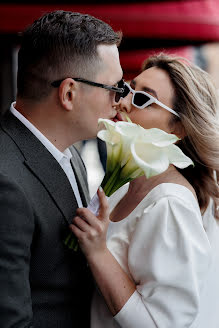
{"x": 189, "y": 28}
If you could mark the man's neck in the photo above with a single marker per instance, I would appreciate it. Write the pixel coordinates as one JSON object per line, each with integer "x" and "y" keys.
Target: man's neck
{"x": 46, "y": 121}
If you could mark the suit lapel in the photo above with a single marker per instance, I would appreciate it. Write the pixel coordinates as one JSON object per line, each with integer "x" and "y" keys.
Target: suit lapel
{"x": 80, "y": 177}
{"x": 57, "y": 184}
{"x": 43, "y": 165}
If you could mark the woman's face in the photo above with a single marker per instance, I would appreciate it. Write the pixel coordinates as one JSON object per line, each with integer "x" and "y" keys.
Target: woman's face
{"x": 156, "y": 82}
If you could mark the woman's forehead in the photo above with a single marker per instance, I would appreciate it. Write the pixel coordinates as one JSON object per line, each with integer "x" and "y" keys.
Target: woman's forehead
{"x": 158, "y": 80}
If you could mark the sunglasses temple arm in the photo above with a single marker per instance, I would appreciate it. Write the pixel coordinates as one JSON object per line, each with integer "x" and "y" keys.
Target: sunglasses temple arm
{"x": 167, "y": 108}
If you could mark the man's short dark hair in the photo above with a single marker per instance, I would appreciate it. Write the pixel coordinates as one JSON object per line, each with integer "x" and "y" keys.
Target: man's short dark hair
{"x": 60, "y": 44}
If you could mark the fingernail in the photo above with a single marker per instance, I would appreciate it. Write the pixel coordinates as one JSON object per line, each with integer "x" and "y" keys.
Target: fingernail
{"x": 100, "y": 189}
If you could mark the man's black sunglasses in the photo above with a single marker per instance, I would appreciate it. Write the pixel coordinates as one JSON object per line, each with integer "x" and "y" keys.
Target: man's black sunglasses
{"x": 118, "y": 90}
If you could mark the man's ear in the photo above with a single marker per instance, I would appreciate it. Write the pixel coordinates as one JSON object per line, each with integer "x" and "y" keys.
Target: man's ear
{"x": 179, "y": 130}
{"x": 66, "y": 93}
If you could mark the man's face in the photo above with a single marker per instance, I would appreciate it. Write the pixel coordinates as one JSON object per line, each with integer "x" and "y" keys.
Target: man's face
{"x": 94, "y": 102}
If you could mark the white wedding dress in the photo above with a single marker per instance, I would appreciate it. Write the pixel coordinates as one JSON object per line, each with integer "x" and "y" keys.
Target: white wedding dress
{"x": 172, "y": 254}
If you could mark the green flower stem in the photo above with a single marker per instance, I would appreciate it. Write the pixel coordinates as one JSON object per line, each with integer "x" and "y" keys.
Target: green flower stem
{"x": 71, "y": 242}
{"x": 67, "y": 239}
{"x": 114, "y": 181}
{"x": 109, "y": 184}
{"x": 119, "y": 184}
{"x": 106, "y": 178}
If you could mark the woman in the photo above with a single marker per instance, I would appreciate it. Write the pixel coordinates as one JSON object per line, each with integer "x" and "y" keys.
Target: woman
{"x": 160, "y": 264}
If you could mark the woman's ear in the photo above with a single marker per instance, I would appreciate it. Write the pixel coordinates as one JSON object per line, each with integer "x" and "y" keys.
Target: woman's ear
{"x": 179, "y": 130}
{"x": 66, "y": 93}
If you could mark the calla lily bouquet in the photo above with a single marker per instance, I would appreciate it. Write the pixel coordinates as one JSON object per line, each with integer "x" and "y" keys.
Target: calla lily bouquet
{"x": 133, "y": 151}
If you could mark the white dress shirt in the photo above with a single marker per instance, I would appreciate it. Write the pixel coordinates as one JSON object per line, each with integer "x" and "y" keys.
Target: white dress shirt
{"x": 62, "y": 158}
{"x": 172, "y": 255}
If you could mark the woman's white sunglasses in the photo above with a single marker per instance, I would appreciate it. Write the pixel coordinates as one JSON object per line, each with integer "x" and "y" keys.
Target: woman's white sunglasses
{"x": 142, "y": 99}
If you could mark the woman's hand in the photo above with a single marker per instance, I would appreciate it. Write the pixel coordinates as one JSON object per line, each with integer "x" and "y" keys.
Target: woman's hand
{"x": 114, "y": 284}
{"x": 90, "y": 229}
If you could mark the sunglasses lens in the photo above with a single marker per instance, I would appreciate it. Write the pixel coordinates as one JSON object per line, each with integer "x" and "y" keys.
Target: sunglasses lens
{"x": 126, "y": 91}
{"x": 118, "y": 95}
{"x": 140, "y": 99}
{"x": 120, "y": 84}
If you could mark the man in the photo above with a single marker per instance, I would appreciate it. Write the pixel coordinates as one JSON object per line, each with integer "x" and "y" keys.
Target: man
{"x": 42, "y": 180}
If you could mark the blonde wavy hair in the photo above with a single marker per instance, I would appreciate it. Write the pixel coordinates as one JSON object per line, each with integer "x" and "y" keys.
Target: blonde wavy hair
{"x": 196, "y": 102}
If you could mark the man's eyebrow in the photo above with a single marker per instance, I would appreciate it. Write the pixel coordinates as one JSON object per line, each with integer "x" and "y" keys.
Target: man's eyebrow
{"x": 146, "y": 89}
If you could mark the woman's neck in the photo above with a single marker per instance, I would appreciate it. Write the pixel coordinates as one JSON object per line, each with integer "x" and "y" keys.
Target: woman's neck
{"x": 141, "y": 186}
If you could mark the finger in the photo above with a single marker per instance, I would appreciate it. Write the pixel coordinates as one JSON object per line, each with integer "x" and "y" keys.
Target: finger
{"x": 89, "y": 217}
{"x": 86, "y": 214}
{"x": 104, "y": 207}
{"x": 81, "y": 224}
{"x": 76, "y": 231}
{"x": 91, "y": 234}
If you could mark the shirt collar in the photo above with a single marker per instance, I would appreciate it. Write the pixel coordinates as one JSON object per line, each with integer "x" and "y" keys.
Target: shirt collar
{"x": 56, "y": 153}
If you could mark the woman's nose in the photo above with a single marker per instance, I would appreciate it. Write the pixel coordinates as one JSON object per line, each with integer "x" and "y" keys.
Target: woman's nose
{"x": 125, "y": 104}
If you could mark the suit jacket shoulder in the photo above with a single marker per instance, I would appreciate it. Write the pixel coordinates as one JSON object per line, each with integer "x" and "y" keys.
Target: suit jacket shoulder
{"x": 42, "y": 283}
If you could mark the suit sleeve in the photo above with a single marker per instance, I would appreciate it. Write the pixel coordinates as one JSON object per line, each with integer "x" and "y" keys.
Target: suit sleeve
{"x": 16, "y": 230}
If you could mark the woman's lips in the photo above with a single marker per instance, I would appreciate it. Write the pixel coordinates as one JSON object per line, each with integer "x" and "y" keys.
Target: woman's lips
{"x": 118, "y": 117}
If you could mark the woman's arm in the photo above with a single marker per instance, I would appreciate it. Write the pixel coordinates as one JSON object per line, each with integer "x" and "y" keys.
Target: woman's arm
{"x": 168, "y": 256}
{"x": 114, "y": 284}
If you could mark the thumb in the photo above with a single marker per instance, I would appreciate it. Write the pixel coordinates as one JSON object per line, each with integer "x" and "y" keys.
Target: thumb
{"x": 104, "y": 207}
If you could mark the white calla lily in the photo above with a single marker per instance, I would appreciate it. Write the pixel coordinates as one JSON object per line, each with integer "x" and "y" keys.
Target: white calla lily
{"x": 177, "y": 157}
{"x": 153, "y": 161}
{"x": 114, "y": 144}
{"x": 158, "y": 137}
{"x": 133, "y": 151}
{"x": 128, "y": 132}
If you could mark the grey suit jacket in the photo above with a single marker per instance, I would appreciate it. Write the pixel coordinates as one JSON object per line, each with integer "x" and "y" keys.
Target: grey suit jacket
{"x": 42, "y": 283}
